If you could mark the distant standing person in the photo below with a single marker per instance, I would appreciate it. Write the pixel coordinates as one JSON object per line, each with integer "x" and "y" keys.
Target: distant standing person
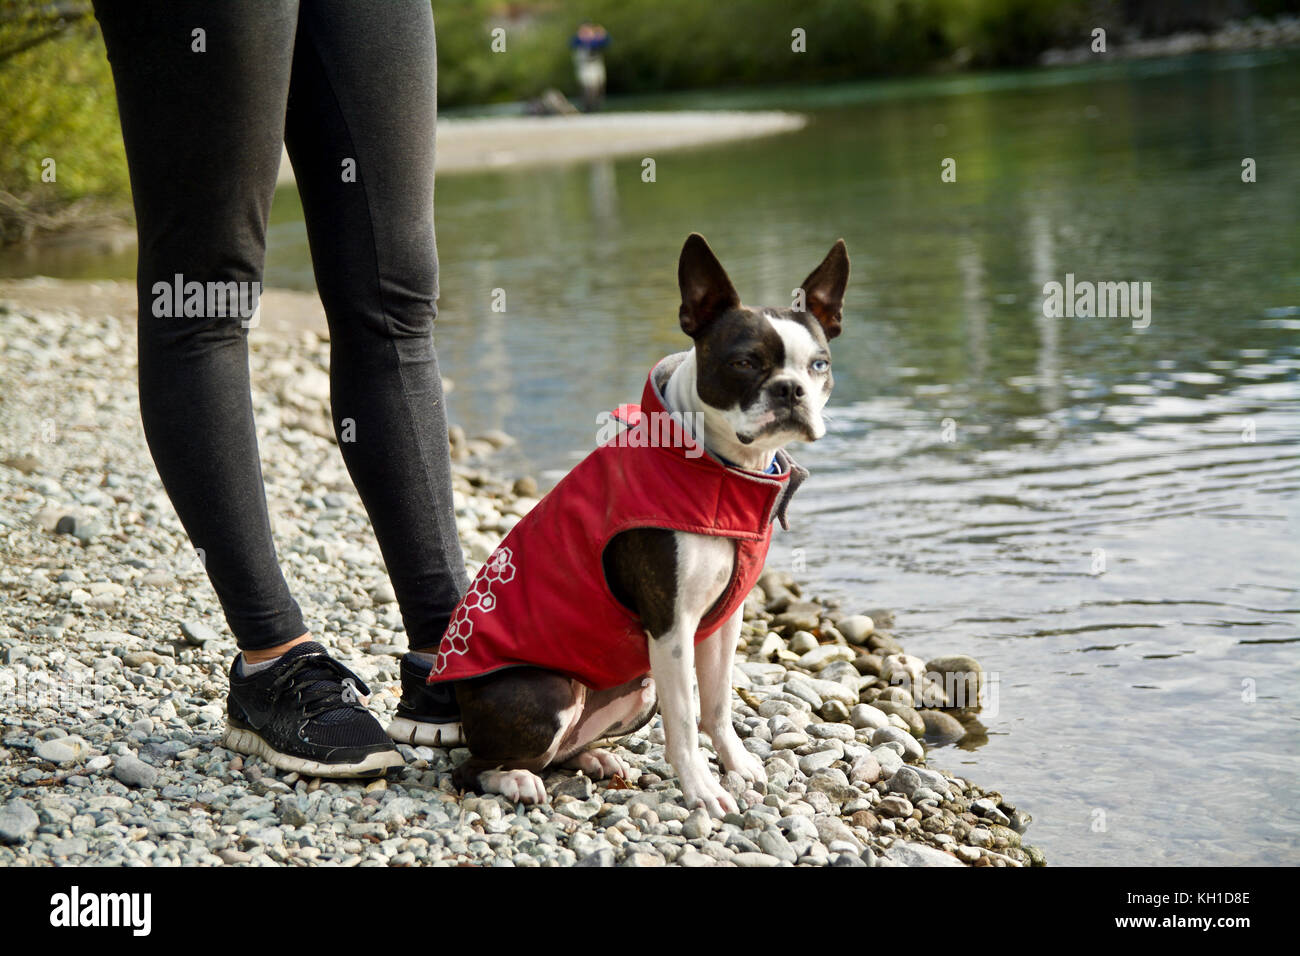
{"x": 589, "y": 63}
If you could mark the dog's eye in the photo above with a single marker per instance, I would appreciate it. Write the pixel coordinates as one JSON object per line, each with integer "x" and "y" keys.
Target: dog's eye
{"x": 743, "y": 364}
{"x": 820, "y": 365}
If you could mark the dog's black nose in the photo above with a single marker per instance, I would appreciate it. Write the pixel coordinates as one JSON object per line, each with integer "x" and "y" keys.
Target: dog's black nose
{"x": 786, "y": 391}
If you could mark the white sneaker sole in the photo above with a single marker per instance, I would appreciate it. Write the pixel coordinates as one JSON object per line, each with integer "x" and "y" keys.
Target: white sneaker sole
{"x": 420, "y": 734}
{"x": 248, "y": 742}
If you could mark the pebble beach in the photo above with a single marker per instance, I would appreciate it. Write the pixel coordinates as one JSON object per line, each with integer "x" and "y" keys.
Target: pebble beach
{"x": 114, "y": 655}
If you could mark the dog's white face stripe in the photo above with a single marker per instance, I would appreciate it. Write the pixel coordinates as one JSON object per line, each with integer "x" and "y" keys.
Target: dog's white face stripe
{"x": 800, "y": 348}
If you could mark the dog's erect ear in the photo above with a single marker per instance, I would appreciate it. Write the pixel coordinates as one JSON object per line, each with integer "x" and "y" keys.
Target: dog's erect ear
{"x": 706, "y": 290}
{"x": 824, "y": 289}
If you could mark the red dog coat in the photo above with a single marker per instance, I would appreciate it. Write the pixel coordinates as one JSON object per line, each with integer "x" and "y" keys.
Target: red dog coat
{"x": 542, "y": 598}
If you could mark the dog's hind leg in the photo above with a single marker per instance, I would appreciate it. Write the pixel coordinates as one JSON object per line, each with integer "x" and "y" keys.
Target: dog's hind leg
{"x": 598, "y": 764}
{"x": 608, "y": 714}
{"x": 515, "y": 722}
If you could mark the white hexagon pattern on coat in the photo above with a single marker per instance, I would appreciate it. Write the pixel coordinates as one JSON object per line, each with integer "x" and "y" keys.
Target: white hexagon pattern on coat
{"x": 499, "y": 568}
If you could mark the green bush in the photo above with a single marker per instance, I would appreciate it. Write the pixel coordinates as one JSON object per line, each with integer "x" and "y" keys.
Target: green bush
{"x": 661, "y": 45}
{"x": 58, "y": 104}
{"x": 469, "y": 72}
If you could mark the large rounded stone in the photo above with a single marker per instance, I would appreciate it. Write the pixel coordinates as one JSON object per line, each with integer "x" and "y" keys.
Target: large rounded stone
{"x": 883, "y": 643}
{"x": 912, "y": 750}
{"x": 820, "y": 656}
{"x": 894, "y": 806}
{"x": 918, "y": 854}
{"x": 961, "y": 677}
{"x": 18, "y": 822}
{"x": 865, "y": 715}
{"x": 903, "y": 669}
{"x": 866, "y": 769}
{"x": 856, "y": 628}
{"x": 906, "y": 781}
{"x": 897, "y": 694}
{"x": 868, "y": 665}
{"x": 64, "y": 751}
{"x": 801, "y": 642}
{"x": 888, "y": 760}
{"x": 942, "y": 727}
{"x": 134, "y": 772}
{"x": 800, "y": 615}
{"x": 914, "y": 721}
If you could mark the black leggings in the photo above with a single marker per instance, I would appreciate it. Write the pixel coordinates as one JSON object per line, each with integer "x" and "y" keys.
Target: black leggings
{"x": 343, "y": 84}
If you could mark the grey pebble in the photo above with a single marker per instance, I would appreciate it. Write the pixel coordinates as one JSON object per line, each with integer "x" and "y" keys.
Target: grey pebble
{"x": 866, "y": 716}
{"x": 134, "y": 772}
{"x": 942, "y": 727}
{"x": 197, "y": 633}
{"x": 912, "y": 749}
{"x": 830, "y": 828}
{"x": 577, "y": 787}
{"x": 835, "y": 710}
{"x": 63, "y": 751}
{"x": 772, "y": 843}
{"x": 697, "y": 825}
{"x": 18, "y": 821}
{"x": 905, "y": 781}
{"x": 604, "y": 857}
{"x": 918, "y": 854}
{"x": 889, "y": 760}
{"x": 895, "y": 806}
{"x": 813, "y": 762}
{"x": 856, "y": 628}
{"x": 829, "y": 731}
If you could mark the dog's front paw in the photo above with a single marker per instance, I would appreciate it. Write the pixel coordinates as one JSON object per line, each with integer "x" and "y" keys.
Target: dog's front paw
{"x": 701, "y": 789}
{"x": 598, "y": 764}
{"x": 746, "y": 764}
{"x": 517, "y": 786}
{"x": 732, "y": 755}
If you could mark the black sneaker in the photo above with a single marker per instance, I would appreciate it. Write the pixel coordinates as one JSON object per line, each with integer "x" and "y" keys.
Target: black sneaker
{"x": 307, "y": 713}
{"x": 427, "y": 714}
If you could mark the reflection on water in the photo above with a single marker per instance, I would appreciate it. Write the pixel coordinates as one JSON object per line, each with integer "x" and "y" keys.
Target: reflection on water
{"x": 1103, "y": 515}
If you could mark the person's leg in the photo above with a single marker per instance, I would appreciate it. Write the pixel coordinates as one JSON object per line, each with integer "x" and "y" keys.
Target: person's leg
{"x": 360, "y": 132}
{"x": 201, "y": 91}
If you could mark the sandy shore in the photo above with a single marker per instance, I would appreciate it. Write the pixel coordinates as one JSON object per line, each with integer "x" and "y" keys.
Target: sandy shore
{"x": 473, "y": 145}
{"x": 468, "y": 145}
{"x": 284, "y": 311}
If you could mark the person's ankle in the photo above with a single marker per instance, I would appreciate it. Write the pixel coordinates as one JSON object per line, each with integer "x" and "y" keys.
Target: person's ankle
{"x": 265, "y": 654}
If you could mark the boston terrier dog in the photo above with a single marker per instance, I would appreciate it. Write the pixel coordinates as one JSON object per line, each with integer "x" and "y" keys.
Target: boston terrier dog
{"x": 627, "y": 581}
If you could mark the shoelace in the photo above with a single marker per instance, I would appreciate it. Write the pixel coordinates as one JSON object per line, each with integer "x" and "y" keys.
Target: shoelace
{"x": 322, "y": 685}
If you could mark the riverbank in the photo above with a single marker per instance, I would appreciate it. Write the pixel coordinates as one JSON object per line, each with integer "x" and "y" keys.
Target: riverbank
{"x": 1235, "y": 36}
{"x": 113, "y": 656}
{"x": 474, "y": 144}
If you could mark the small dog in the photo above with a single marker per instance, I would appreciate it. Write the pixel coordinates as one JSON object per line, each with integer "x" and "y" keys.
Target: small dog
{"x": 633, "y": 571}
